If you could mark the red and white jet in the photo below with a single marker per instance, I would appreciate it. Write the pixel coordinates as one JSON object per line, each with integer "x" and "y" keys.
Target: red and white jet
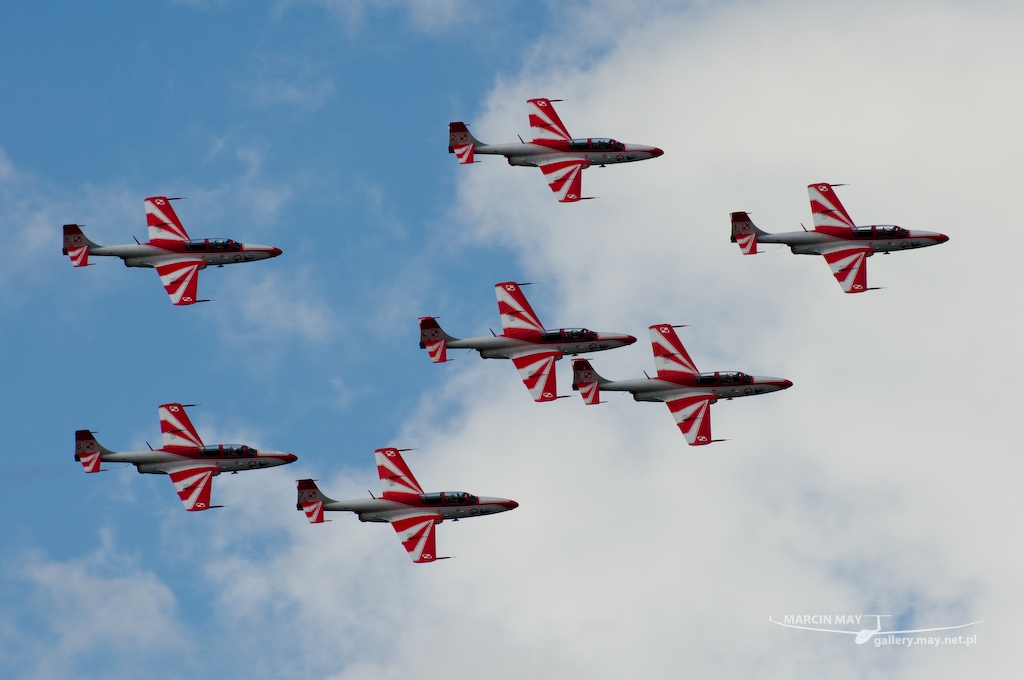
{"x": 687, "y": 392}
{"x": 524, "y": 340}
{"x": 844, "y": 245}
{"x": 176, "y": 257}
{"x": 190, "y": 464}
{"x": 412, "y": 513}
{"x": 560, "y": 157}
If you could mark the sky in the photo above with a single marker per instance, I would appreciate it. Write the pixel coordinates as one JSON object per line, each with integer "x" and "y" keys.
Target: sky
{"x": 886, "y": 481}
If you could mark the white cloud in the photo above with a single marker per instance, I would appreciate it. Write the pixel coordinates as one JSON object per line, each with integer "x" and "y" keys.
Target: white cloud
{"x": 101, "y": 605}
{"x": 884, "y": 481}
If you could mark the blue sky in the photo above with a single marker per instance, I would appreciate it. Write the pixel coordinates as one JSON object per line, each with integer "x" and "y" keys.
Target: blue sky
{"x": 294, "y": 125}
{"x": 319, "y": 127}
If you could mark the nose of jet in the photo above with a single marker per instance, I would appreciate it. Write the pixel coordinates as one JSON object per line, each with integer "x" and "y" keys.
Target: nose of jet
{"x": 942, "y": 238}
{"x": 289, "y": 458}
{"x": 786, "y": 384}
{"x": 510, "y": 505}
{"x": 616, "y": 337}
{"x": 274, "y": 252}
{"x": 655, "y": 152}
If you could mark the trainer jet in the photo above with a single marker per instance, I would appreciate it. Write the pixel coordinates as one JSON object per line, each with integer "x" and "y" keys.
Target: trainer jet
{"x": 176, "y": 257}
{"x": 687, "y": 392}
{"x": 560, "y": 157}
{"x": 524, "y": 340}
{"x": 412, "y": 513}
{"x": 844, "y": 245}
{"x": 190, "y": 464}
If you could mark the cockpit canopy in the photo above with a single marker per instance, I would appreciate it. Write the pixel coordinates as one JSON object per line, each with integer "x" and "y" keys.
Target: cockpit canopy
{"x": 880, "y": 231}
{"x": 449, "y": 498}
{"x": 568, "y": 335}
{"x": 227, "y": 451}
{"x": 213, "y": 244}
{"x": 596, "y": 144}
{"x": 724, "y": 378}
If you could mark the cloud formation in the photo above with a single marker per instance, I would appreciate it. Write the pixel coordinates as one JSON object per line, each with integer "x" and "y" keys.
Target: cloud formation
{"x": 865, "y": 488}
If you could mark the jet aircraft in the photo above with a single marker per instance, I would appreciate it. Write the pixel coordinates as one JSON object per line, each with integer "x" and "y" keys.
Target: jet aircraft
{"x": 687, "y": 392}
{"x": 844, "y": 245}
{"x": 404, "y": 504}
{"x": 524, "y": 340}
{"x": 190, "y": 464}
{"x": 560, "y": 157}
{"x": 176, "y": 257}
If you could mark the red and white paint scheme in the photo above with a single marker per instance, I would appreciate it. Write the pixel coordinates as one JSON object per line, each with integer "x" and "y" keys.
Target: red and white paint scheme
{"x": 844, "y": 245}
{"x": 687, "y": 392}
{"x": 412, "y": 512}
{"x": 533, "y": 349}
{"x": 190, "y": 464}
{"x": 561, "y": 158}
{"x": 176, "y": 258}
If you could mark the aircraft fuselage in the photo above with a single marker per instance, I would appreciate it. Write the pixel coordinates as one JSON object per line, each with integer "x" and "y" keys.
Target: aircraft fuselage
{"x": 229, "y": 458}
{"x": 215, "y": 252}
{"x": 882, "y": 238}
{"x": 724, "y": 385}
{"x": 449, "y": 505}
{"x": 532, "y": 154}
{"x": 566, "y": 341}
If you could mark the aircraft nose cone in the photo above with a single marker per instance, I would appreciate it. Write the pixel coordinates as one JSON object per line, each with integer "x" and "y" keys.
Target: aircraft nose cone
{"x": 657, "y": 152}
{"x": 290, "y": 458}
{"x": 512, "y": 505}
{"x": 786, "y": 384}
{"x": 274, "y": 252}
{"x": 942, "y": 238}
{"x": 629, "y": 340}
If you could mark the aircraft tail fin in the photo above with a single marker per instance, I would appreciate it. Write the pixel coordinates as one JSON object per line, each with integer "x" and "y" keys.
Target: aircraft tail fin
{"x": 434, "y": 339}
{"x": 745, "y": 233}
{"x": 587, "y": 381}
{"x": 461, "y": 142}
{"x": 311, "y": 500}
{"x": 88, "y": 451}
{"x": 77, "y": 244}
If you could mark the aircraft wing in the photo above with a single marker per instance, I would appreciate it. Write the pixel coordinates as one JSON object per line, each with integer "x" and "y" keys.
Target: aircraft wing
{"x": 537, "y": 369}
{"x": 565, "y": 177}
{"x": 193, "y": 485}
{"x": 162, "y": 221}
{"x": 176, "y": 429}
{"x": 180, "y": 276}
{"x": 396, "y": 479}
{"x": 693, "y": 416}
{"x": 416, "y": 531}
{"x": 826, "y": 208}
{"x": 544, "y": 121}
{"x": 670, "y": 357}
{"x": 515, "y": 310}
{"x": 849, "y": 266}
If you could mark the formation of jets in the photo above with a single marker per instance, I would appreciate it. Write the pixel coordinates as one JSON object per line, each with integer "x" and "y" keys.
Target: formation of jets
{"x": 532, "y": 348}
{"x": 835, "y": 237}
{"x": 176, "y": 257}
{"x": 559, "y": 156}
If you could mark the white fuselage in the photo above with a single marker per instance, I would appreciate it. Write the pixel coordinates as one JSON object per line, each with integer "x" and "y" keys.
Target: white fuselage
{"x": 532, "y": 155}
{"x": 380, "y": 510}
{"x": 816, "y": 242}
{"x": 653, "y": 389}
{"x": 146, "y": 255}
{"x": 504, "y": 347}
{"x": 163, "y": 462}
